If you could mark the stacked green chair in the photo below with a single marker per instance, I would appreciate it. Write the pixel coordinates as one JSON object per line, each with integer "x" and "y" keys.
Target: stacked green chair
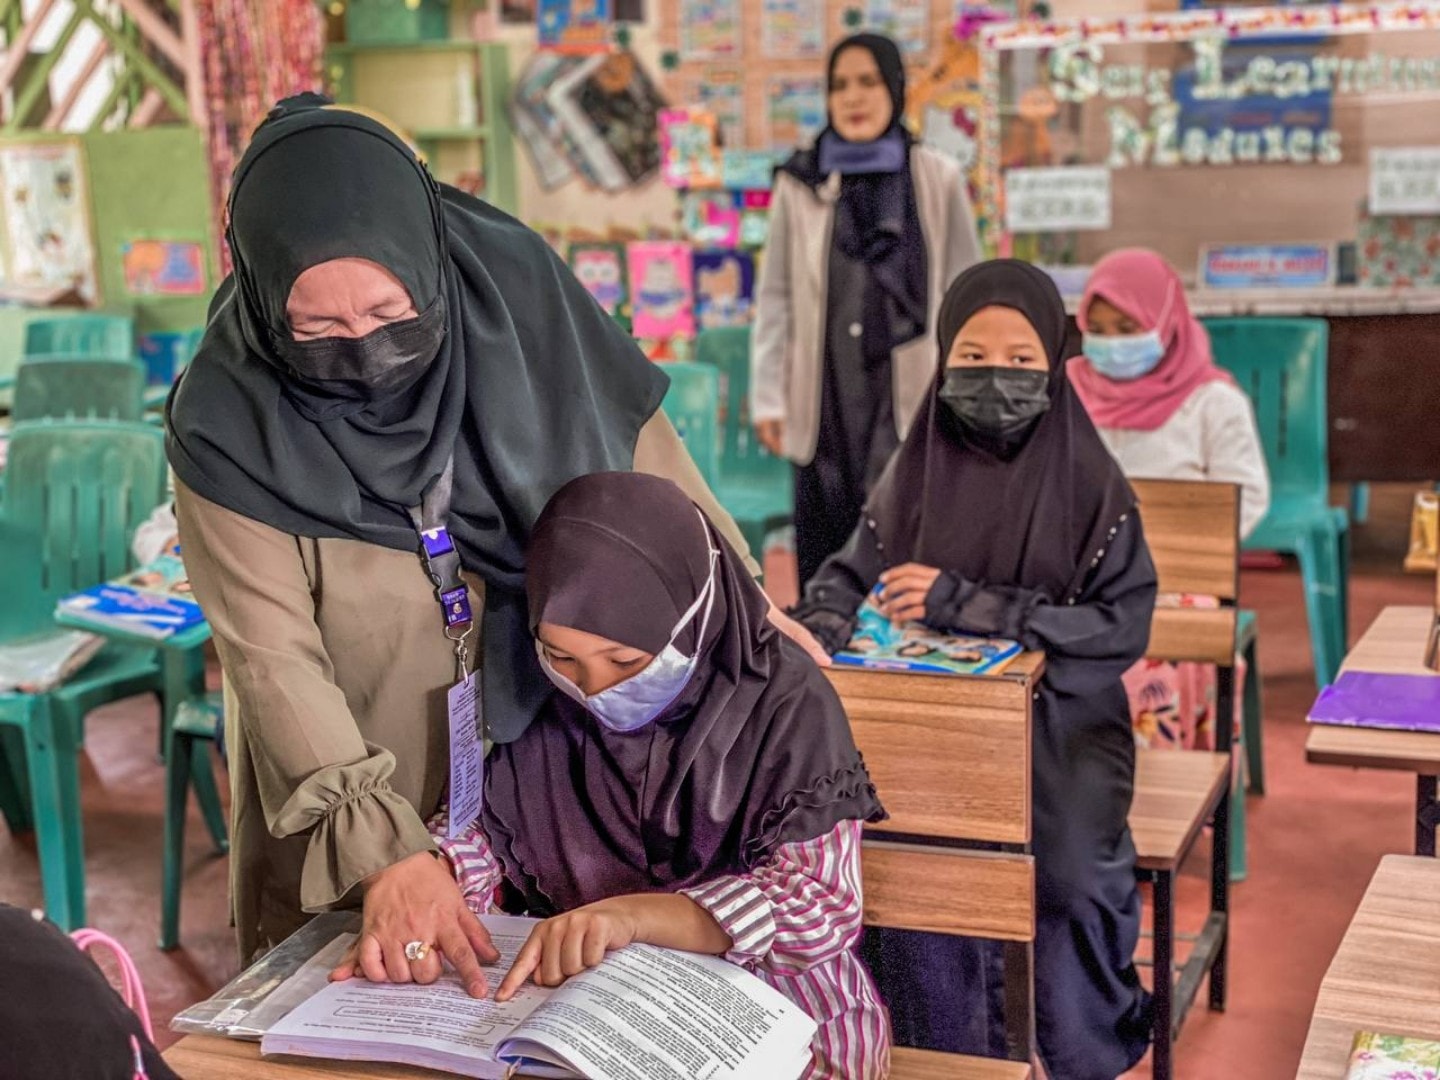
{"x": 693, "y": 405}
{"x": 75, "y": 492}
{"x": 62, "y": 388}
{"x": 755, "y": 486}
{"x": 1281, "y": 364}
{"x": 94, "y": 335}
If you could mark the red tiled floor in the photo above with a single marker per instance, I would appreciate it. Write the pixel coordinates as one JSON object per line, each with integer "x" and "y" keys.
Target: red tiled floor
{"x": 1315, "y": 839}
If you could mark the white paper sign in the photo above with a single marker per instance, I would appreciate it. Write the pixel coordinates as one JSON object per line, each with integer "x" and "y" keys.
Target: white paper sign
{"x": 1405, "y": 180}
{"x": 1057, "y": 200}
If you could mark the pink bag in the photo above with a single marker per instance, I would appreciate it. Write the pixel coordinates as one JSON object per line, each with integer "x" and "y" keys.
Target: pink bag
{"x": 131, "y": 989}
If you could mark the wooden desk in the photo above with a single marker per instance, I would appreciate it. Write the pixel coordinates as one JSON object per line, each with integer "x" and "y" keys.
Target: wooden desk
{"x": 1395, "y": 644}
{"x": 201, "y": 1057}
{"x": 1386, "y": 974}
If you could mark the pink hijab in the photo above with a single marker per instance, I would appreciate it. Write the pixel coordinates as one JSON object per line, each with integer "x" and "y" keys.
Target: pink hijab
{"x": 1142, "y": 285}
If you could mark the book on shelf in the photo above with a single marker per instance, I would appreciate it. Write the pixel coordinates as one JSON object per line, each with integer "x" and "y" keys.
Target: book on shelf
{"x": 879, "y": 644}
{"x": 154, "y": 601}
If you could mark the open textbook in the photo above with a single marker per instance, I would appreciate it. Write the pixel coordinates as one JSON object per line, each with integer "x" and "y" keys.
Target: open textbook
{"x": 644, "y": 1014}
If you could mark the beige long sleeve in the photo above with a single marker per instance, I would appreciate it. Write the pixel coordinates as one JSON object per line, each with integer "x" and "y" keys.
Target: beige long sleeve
{"x": 313, "y": 771}
{"x": 659, "y": 451}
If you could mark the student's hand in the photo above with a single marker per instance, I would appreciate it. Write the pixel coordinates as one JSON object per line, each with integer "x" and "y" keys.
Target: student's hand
{"x": 906, "y": 587}
{"x": 771, "y": 434}
{"x": 571, "y": 943}
{"x": 417, "y": 900}
{"x": 797, "y": 633}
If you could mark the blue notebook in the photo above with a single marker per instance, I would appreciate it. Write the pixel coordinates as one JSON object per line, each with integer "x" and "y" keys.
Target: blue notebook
{"x": 881, "y": 645}
{"x": 154, "y": 602}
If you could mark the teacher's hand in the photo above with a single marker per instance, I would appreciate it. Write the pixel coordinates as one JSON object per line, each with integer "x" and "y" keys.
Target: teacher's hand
{"x": 798, "y": 634}
{"x": 418, "y": 900}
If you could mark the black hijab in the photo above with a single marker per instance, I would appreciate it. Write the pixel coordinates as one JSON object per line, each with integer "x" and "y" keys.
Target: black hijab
{"x": 1030, "y": 514}
{"x": 756, "y": 752}
{"x": 531, "y": 386}
{"x": 877, "y": 218}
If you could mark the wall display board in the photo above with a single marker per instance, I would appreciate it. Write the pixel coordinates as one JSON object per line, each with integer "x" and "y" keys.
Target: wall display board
{"x": 1261, "y": 125}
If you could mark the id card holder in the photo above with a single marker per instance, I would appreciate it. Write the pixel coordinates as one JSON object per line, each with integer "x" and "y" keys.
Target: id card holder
{"x": 467, "y": 756}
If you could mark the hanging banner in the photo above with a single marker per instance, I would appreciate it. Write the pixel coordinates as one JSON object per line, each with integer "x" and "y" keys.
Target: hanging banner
{"x": 1057, "y": 200}
{"x": 1267, "y": 266}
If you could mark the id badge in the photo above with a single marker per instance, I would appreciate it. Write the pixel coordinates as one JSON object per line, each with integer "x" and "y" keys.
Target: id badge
{"x": 467, "y": 757}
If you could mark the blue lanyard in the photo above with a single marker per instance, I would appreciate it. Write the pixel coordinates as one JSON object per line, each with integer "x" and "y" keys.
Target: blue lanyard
{"x": 442, "y": 562}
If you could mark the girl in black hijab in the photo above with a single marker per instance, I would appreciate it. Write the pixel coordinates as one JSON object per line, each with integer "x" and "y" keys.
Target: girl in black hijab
{"x": 694, "y": 783}
{"x": 866, "y": 228}
{"x": 1004, "y": 515}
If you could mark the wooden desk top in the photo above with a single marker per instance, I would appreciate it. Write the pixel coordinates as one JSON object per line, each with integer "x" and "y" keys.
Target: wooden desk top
{"x": 201, "y": 1057}
{"x": 1395, "y": 644}
{"x": 1386, "y": 974}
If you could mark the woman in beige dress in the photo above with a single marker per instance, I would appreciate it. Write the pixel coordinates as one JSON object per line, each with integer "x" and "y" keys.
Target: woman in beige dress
{"x": 390, "y": 357}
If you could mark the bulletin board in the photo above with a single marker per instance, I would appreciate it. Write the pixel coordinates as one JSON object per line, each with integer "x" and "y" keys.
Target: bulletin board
{"x": 759, "y": 65}
{"x": 1298, "y": 130}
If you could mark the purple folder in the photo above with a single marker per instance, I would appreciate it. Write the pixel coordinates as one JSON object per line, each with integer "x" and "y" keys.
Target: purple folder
{"x": 1372, "y": 700}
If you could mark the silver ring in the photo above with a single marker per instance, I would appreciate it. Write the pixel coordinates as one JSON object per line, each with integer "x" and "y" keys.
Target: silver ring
{"x": 416, "y": 951}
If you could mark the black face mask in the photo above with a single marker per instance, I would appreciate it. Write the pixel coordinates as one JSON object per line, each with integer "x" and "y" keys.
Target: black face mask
{"x": 382, "y": 363}
{"x": 996, "y": 401}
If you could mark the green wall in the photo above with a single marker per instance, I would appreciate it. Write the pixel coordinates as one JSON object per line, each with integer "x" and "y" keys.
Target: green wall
{"x": 150, "y": 184}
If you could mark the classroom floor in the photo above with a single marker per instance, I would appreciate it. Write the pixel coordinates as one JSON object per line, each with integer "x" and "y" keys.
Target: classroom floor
{"x": 1315, "y": 839}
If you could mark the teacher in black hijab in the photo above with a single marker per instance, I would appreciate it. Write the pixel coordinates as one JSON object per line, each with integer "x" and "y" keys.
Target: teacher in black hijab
{"x": 867, "y": 227}
{"x": 390, "y": 357}
{"x": 1004, "y": 515}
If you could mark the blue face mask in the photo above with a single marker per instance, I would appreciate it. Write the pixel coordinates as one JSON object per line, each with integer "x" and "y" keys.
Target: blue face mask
{"x": 634, "y": 703}
{"x": 1125, "y": 358}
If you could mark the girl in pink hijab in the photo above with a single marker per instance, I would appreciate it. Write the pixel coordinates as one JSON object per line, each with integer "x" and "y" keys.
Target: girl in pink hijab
{"x": 1167, "y": 412}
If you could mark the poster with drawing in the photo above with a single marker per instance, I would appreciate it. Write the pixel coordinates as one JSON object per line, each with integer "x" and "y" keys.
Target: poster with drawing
{"x": 795, "y": 111}
{"x": 574, "y": 26}
{"x": 710, "y": 29}
{"x": 724, "y": 288}
{"x": 46, "y": 209}
{"x": 906, "y": 21}
{"x": 661, "y": 290}
{"x": 792, "y": 29}
{"x": 601, "y": 269}
{"x": 720, "y": 91}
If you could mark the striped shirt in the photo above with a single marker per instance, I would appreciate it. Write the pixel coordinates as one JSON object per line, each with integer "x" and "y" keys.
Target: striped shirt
{"x": 794, "y": 921}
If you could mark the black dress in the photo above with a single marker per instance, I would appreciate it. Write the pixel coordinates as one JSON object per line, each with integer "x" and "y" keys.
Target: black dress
{"x": 857, "y": 422}
{"x": 1092, "y": 1014}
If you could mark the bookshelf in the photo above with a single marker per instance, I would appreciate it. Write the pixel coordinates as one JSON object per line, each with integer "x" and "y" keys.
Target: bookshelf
{"x": 450, "y": 97}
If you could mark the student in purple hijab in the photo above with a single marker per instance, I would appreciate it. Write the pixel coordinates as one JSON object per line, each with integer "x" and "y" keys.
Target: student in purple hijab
{"x": 692, "y": 783}
{"x": 1003, "y": 515}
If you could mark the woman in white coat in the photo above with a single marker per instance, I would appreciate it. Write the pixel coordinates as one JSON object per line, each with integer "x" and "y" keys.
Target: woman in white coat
{"x": 867, "y": 229}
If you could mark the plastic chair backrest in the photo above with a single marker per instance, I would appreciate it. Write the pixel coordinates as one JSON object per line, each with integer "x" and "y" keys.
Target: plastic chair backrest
{"x": 693, "y": 405}
{"x": 741, "y": 455}
{"x": 79, "y": 389}
{"x": 92, "y": 336}
{"x": 74, "y": 495}
{"x": 1281, "y": 365}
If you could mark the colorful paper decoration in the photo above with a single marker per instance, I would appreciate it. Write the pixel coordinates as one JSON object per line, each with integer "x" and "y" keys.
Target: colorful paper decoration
{"x": 164, "y": 267}
{"x": 662, "y": 288}
{"x": 689, "y": 149}
{"x": 601, "y": 268}
{"x": 747, "y": 170}
{"x": 724, "y": 288}
{"x": 574, "y": 26}
{"x": 711, "y": 218}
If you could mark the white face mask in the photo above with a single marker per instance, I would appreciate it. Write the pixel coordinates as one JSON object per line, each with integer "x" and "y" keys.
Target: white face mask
{"x": 632, "y": 704}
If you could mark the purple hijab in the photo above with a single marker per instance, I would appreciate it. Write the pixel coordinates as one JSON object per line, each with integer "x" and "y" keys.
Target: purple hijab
{"x": 756, "y": 752}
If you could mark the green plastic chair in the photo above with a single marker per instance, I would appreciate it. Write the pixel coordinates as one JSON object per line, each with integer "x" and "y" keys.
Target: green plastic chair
{"x": 75, "y": 492}
{"x": 755, "y": 486}
{"x": 61, "y": 388}
{"x": 1281, "y": 364}
{"x": 693, "y": 405}
{"x": 93, "y": 335}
